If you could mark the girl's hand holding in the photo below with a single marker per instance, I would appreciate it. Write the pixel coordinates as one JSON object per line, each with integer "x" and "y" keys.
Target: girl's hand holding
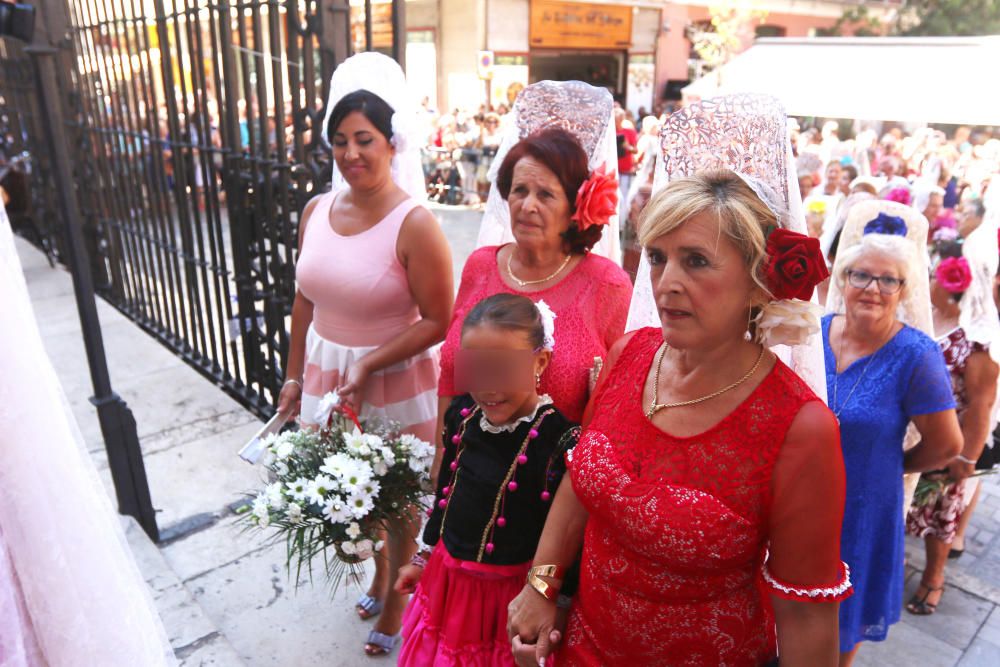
{"x": 408, "y": 578}
{"x": 531, "y": 626}
{"x": 353, "y": 386}
{"x": 290, "y": 398}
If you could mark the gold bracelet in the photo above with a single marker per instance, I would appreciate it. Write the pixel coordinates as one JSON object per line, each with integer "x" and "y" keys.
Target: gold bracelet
{"x": 547, "y": 590}
{"x": 554, "y": 571}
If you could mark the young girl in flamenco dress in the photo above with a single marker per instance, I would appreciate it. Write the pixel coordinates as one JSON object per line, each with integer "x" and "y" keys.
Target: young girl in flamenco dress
{"x": 503, "y": 461}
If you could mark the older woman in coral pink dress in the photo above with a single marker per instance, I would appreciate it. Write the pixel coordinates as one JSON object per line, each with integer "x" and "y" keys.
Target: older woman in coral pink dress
{"x": 558, "y": 211}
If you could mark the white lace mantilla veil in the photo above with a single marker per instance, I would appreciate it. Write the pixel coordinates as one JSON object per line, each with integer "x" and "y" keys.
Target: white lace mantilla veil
{"x": 65, "y": 568}
{"x": 914, "y": 308}
{"x": 749, "y": 135}
{"x": 381, "y": 75}
{"x": 979, "y": 317}
{"x": 577, "y": 107}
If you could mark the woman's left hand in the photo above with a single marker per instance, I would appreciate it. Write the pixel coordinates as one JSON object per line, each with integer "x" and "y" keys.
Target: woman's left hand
{"x": 959, "y": 470}
{"x": 352, "y": 388}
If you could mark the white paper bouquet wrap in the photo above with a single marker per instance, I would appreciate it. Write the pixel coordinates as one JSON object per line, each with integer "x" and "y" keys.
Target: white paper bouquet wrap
{"x": 335, "y": 488}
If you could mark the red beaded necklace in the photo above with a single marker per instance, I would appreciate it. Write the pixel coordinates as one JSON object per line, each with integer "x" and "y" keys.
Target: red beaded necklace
{"x": 509, "y": 484}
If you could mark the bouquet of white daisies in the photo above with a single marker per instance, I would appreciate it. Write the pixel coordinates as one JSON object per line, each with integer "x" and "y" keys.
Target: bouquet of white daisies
{"x": 336, "y": 487}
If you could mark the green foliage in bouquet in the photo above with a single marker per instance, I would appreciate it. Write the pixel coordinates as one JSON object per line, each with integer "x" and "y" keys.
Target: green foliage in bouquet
{"x": 336, "y": 489}
{"x": 930, "y": 488}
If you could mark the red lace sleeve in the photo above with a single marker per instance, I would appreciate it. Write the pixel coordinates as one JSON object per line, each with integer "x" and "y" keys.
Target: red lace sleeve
{"x": 807, "y": 510}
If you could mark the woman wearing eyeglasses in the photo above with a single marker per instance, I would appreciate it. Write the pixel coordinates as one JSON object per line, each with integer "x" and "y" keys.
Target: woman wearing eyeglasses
{"x": 881, "y": 375}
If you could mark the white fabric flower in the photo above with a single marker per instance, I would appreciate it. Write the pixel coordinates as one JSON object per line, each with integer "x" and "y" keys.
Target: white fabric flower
{"x": 353, "y": 530}
{"x": 294, "y": 512}
{"x": 359, "y": 504}
{"x": 281, "y": 468}
{"x": 363, "y": 549}
{"x": 336, "y": 510}
{"x": 380, "y": 468}
{"x": 373, "y": 441}
{"x": 319, "y": 488}
{"x": 348, "y": 548}
{"x": 788, "y": 322}
{"x": 325, "y": 406}
{"x": 548, "y": 325}
{"x": 299, "y": 489}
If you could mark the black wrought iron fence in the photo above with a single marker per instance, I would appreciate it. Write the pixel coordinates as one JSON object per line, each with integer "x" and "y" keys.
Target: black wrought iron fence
{"x": 197, "y": 145}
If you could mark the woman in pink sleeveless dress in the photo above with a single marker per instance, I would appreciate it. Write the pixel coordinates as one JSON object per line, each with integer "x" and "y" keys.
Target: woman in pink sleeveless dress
{"x": 375, "y": 295}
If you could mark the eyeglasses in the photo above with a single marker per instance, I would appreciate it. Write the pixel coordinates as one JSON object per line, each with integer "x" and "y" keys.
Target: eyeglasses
{"x": 886, "y": 284}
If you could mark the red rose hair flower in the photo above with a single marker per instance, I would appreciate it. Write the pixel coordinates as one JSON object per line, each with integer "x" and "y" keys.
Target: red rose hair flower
{"x": 954, "y": 274}
{"x": 795, "y": 265}
{"x": 596, "y": 200}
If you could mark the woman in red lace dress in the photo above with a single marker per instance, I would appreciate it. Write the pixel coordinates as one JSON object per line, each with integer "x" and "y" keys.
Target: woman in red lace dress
{"x": 707, "y": 490}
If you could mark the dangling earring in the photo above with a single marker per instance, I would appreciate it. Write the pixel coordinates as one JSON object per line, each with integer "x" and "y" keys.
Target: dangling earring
{"x": 749, "y": 334}
{"x": 538, "y": 380}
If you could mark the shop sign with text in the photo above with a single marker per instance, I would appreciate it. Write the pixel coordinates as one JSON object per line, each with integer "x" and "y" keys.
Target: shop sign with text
{"x": 575, "y": 25}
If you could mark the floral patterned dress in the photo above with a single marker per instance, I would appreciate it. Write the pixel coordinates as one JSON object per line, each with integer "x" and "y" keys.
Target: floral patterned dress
{"x": 939, "y": 517}
{"x": 675, "y": 567}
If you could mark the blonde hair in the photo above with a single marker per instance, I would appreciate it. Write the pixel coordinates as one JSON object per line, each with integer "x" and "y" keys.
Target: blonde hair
{"x": 742, "y": 216}
{"x": 897, "y": 248}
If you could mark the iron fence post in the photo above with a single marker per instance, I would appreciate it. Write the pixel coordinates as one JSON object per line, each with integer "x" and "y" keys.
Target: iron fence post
{"x": 118, "y": 427}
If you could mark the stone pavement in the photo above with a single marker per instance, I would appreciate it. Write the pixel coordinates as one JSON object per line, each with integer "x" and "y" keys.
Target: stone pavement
{"x": 224, "y": 595}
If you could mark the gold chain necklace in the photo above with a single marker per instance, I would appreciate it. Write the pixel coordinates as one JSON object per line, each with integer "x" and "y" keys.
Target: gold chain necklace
{"x": 524, "y": 283}
{"x": 655, "y": 407}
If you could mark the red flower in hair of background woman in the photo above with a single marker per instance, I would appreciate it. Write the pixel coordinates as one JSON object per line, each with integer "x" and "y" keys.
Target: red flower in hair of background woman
{"x": 900, "y": 195}
{"x": 795, "y": 265}
{"x": 954, "y": 274}
{"x": 596, "y": 200}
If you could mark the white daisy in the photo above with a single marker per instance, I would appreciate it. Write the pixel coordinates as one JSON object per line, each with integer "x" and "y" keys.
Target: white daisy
{"x": 336, "y": 511}
{"x": 275, "y": 497}
{"x": 356, "y": 475}
{"x": 388, "y": 456}
{"x": 359, "y": 505}
{"x": 371, "y": 488}
{"x": 336, "y": 464}
{"x": 319, "y": 488}
{"x": 260, "y": 511}
{"x": 299, "y": 489}
{"x": 284, "y": 449}
{"x": 355, "y": 441}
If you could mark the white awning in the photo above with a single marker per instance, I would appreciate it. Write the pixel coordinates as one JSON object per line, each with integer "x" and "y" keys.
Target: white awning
{"x": 906, "y": 79}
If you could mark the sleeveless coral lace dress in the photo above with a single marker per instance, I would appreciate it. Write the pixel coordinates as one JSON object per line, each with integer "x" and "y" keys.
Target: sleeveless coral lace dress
{"x": 675, "y": 567}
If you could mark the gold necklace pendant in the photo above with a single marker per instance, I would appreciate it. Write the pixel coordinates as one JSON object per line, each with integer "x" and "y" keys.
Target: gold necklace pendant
{"x": 655, "y": 407}
{"x": 525, "y": 283}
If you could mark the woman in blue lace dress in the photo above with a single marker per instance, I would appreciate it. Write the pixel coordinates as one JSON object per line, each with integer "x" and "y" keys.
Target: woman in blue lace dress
{"x": 881, "y": 375}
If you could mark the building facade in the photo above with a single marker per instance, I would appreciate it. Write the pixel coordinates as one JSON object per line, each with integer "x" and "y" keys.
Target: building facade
{"x": 461, "y": 54}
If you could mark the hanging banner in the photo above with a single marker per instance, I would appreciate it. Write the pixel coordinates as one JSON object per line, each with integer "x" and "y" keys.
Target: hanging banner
{"x": 573, "y": 25}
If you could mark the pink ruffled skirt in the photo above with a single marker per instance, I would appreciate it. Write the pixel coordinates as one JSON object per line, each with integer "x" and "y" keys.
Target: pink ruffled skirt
{"x": 458, "y": 614}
